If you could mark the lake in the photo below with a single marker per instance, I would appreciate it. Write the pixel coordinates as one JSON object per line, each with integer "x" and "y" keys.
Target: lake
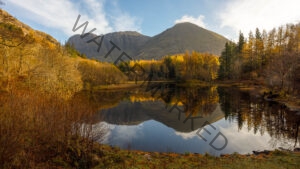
{"x": 214, "y": 120}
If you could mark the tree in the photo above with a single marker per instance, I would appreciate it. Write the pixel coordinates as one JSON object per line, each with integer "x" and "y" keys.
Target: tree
{"x": 239, "y": 57}
{"x": 241, "y": 43}
{"x": 258, "y": 50}
{"x": 226, "y": 60}
{"x": 280, "y": 40}
{"x": 171, "y": 67}
{"x": 265, "y": 43}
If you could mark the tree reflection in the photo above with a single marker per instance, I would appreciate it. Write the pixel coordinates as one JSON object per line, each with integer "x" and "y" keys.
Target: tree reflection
{"x": 254, "y": 113}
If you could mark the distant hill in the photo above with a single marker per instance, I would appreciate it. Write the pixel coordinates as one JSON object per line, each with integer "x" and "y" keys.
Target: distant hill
{"x": 178, "y": 39}
{"x": 128, "y": 41}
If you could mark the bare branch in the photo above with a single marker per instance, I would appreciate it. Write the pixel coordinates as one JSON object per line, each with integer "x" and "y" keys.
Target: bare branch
{"x": 11, "y": 46}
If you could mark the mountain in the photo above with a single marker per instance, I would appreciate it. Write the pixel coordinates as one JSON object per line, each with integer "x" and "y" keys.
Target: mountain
{"x": 182, "y": 37}
{"x": 128, "y": 41}
{"x": 178, "y": 39}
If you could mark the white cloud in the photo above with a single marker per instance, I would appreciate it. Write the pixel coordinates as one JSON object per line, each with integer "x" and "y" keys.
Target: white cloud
{"x": 118, "y": 133}
{"x": 61, "y": 15}
{"x": 126, "y": 22}
{"x": 187, "y": 18}
{"x": 187, "y": 136}
{"x": 246, "y": 15}
{"x": 122, "y": 21}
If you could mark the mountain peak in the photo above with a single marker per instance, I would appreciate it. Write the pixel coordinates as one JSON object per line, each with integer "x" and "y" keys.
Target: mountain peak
{"x": 186, "y": 24}
{"x": 182, "y": 37}
{"x": 127, "y": 33}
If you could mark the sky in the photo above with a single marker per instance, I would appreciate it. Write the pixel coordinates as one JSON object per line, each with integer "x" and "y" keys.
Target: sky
{"x": 151, "y": 17}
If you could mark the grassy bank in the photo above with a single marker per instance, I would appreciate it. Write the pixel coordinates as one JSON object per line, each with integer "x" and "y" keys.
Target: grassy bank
{"x": 111, "y": 157}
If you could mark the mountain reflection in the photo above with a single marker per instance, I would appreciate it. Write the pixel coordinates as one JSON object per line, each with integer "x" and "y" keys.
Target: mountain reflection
{"x": 186, "y": 109}
{"x": 183, "y": 109}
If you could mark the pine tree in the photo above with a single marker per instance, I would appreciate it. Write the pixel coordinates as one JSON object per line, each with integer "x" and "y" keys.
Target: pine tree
{"x": 241, "y": 43}
{"x": 226, "y": 60}
{"x": 258, "y": 50}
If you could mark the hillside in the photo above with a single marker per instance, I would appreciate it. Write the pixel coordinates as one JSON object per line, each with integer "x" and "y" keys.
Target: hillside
{"x": 178, "y": 39}
{"x": 33, "y": 59}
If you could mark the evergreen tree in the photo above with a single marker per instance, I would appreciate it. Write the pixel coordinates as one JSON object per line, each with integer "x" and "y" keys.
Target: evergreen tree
{"x": 226, "y": 60}
{"x": 241, "y": 43}
{"x": 258, "y": 50}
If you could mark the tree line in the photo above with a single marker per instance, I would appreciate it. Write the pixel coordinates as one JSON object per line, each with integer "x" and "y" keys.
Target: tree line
{"x": 181, "y": 67}
{"x": 271, "y": 58}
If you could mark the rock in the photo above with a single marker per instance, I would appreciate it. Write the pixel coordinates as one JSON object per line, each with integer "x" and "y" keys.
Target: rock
{"x": 283, "y": 149}
{"x": 265, "y": 152}
{"x": 147, "y": 156}
{"x": 296, "y": 149}
{"x": 255, "y": 152}
{"x": 270, "y": 96}
{"x": 222, "y": 155}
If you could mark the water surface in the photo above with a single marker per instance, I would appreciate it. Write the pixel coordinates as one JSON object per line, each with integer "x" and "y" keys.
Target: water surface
{"x": 173, "y": 120}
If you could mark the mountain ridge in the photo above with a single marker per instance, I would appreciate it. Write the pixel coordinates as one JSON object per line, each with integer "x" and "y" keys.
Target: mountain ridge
{"x": 177, "y": 39}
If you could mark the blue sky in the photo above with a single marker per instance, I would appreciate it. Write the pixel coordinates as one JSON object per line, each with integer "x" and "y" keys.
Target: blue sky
{"x": 150, "y": 17}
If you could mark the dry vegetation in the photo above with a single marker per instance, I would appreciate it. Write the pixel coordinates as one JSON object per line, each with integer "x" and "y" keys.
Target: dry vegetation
{"x": 40, "y": 131}
{"x": 41, "y": 123}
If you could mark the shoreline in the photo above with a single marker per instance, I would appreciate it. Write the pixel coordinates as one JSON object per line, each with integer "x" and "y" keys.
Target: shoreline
{"x": 114, "y": 157}
{"x": 292, "y": 102}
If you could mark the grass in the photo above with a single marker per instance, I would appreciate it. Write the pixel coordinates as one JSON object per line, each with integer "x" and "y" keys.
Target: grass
{"x": 115, "y": 158}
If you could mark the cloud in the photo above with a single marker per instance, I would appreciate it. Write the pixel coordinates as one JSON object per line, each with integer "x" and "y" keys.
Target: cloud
{"x": 61, "y": 15}
{"x": 187, "y": 18}
{"x": 126, "y": 22}
{"x": 246, "y": 15}
{"x": 187, "y": 136}
{"x": 122, "y": 21}
{"x": 118, "y": 133}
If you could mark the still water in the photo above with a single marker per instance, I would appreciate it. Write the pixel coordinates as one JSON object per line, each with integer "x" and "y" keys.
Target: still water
{"x": 197, "y": 119}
